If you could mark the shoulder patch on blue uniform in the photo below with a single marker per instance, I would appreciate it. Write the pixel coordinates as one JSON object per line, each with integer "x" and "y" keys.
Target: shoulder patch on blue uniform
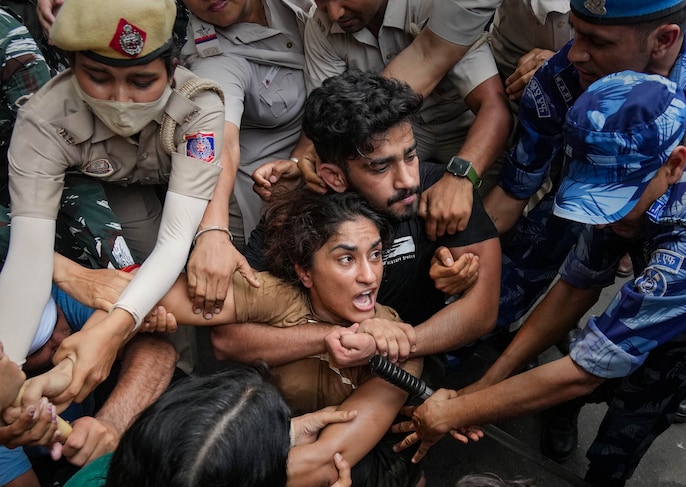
{"x": 652, "y": 283}
{"x": 536, "y": 93}
{"x": 200, "y": 146}
{"x": 666, "y": 260}
{"x": 562, "y": 88}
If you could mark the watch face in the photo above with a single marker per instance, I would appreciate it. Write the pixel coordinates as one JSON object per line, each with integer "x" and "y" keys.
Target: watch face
{"x": 458, "y": 166}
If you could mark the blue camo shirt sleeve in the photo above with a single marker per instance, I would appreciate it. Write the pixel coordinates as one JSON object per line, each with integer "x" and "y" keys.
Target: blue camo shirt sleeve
{"x": 645, "y": 314}
{"x": 542, "y": 111}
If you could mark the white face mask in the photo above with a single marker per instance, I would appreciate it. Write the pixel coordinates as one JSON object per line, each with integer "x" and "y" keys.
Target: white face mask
{"x": 124, "y": 118}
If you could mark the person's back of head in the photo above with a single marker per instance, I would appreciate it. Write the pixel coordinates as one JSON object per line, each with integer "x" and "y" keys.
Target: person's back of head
{"x": 228, "y": 429}
{"x": 347, "y": 111}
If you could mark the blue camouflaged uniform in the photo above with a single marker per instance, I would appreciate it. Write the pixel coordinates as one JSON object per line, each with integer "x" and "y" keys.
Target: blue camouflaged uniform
{"x": 540, "y": 241}
{"x": 642, "y": 332}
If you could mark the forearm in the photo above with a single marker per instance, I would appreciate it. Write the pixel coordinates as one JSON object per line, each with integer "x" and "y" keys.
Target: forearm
{"x": 523, "y": 394}
{"x": 503, "y": 208}
{"x": 473, "y": 314}
{"x": 217, "y": 212}
{"x": 377, "y": 403}
{"x": 247, "y": 342}
{"x": 425, "y": 62}
{"x": 148, "y": 363}
{"x": 487, "y": 137}
{"x": 559, "y": 312}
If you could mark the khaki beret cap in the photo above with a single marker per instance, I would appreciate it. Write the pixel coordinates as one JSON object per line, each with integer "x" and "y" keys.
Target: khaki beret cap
{"x": 115, "y": 32}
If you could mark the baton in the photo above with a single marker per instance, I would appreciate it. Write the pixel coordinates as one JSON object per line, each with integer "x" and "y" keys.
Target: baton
{"x": 415, "y": 386}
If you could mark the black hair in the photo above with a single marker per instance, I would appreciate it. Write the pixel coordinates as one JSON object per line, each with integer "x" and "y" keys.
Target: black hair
{"x": 345, "y": 114}
{"x": 229, "y": 429}
{"x": 300, "y": 222}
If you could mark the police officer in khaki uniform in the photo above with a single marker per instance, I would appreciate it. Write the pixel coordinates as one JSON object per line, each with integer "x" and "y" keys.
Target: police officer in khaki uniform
{"x": 124, "y": 114}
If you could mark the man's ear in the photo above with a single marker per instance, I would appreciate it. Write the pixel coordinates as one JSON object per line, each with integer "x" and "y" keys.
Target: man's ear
{"x": 333, "y": 176}
{"x": 674, "y": 167}
{"x": 665, "y": 36}
{"x": 304, "y": 276}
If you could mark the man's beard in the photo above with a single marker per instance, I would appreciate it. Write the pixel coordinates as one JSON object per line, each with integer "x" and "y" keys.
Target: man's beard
{"x": 410, "y": 211}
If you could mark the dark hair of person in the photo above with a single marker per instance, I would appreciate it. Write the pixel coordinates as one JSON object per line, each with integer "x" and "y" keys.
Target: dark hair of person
{"x": 229, "y": 429}
{"x": 347, "y": 112}
{"x": 300, "y": 222}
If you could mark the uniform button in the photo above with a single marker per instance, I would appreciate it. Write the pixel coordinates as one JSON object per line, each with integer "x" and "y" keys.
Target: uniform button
{"x": 389, "y": 56}
{"x": 144, "y": 155}
{"x": 561, "y": 23}
{"x": 147, "y": 178}
{"x": 289, "y": 45}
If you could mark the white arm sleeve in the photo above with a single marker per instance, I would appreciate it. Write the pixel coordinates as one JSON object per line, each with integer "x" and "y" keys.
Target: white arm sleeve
{"x": 25, "y": 283}
{"x": 180, "y": 219}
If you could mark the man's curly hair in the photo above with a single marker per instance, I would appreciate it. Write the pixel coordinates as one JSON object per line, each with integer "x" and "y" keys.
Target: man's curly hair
{"x": 347, "y": 112}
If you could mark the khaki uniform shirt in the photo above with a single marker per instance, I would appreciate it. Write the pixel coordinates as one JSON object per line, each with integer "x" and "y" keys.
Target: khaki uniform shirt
{"x": 522, "y": 25}
{"x": 461, "y": 21}
{"x": 56, "y": 132}
{"x": 330, "y": 51}
{"x": 307, "y": 384}
{"x": 260, "y": 70}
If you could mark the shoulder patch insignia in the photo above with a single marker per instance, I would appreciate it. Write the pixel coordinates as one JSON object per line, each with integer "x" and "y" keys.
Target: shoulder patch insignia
{"x": 536, "y": 92}
{"x": 652, "y": 283}
{"x": 666, "y": 260}
{"x": 200, "y": 146}
{"x": 98, "y": 167}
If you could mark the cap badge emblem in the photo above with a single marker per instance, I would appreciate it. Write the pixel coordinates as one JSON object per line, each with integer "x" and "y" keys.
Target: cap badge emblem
{"x": 596, "y": 6}
{"x": 128, "y": 39}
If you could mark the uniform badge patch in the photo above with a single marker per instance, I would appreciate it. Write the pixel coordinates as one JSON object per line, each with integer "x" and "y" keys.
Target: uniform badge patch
{"x": 200, "y": 146}
{"x": 539, "y": 98}
{"x": 98, "y": 167}
{"x": 652, "y": 283}
{"x": 667, "y": 261}
{"x": 128, "y": 39}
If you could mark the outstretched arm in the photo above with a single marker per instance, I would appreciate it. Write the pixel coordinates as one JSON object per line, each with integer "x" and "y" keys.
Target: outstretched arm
{"x": 148, "y": 363}
{"x": 377, "y": 403}
{"x": 558, "y": 312}
{"x": 474, "y": 313}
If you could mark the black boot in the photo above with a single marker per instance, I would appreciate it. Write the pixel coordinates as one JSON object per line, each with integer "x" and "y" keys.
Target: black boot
{"x": 559, "y": 436}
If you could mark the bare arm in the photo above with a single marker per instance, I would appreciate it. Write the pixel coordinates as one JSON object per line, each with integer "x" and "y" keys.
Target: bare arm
{"x": 558, "y": 313}
{"x": 148, "y": 363}
{"x": 435, "y": 56}
{"x": 247, "y": 342}
{"x": 474, "y": 313}
{"x": 523, "y": 394}
{"x": 377, "y": 403}
{"x": 447, "y": 205}
{"x": 214, "y": 259}
{"x": 95, "y": 288}
{"x": 503, "y": 208}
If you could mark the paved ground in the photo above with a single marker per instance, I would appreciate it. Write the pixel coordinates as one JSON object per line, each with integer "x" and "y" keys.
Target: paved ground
{"x": 663, "y": 466}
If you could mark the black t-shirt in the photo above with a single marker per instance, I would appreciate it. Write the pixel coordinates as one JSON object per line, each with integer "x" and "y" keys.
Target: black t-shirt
{"x": 406, "y": 285}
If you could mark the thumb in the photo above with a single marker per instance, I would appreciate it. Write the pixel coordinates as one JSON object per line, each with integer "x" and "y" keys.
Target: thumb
{"x": 354, "y": 327}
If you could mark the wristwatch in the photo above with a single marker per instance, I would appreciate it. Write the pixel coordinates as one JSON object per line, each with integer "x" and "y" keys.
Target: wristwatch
{"x": 463, "y": 168}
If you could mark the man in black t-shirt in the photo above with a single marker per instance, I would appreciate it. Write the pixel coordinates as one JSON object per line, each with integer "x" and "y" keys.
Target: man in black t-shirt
{"x": 360, "y": 126}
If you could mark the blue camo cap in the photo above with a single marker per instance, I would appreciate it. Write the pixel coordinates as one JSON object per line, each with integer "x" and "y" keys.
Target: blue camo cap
{"x": 624, "y": 11}
{"x": 618, "y": 134}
